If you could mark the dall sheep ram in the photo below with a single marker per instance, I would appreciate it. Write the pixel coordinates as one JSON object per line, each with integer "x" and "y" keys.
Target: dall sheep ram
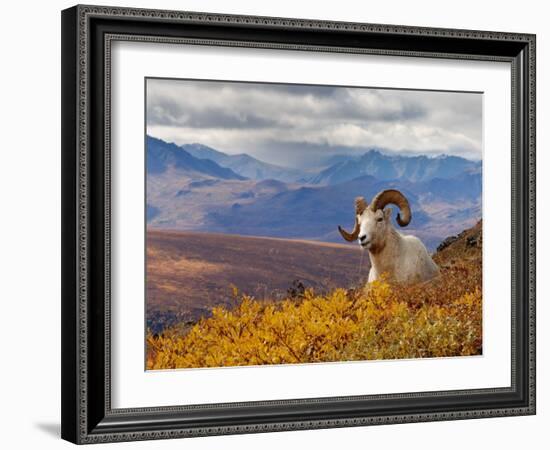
{"x": 402, "y": 258}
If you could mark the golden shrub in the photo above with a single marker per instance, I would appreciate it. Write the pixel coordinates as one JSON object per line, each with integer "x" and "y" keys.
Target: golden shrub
{"x": 380, "y": 321}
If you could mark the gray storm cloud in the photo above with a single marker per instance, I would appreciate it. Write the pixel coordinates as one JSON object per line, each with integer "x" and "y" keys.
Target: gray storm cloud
{"x": 292, "y": 124}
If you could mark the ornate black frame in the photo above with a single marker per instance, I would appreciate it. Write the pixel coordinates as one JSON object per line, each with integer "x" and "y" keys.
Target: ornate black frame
{"x": 87, "y": 32}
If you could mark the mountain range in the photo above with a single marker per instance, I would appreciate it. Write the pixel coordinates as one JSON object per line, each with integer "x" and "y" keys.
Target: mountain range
{"x": 197, "y": 188}
{"x": 395, "y": 167}
{"x": 163, "y": 155}
{"x": 245, "y": 165}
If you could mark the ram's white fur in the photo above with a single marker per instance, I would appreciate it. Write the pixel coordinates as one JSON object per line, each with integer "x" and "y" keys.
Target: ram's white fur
{"x": 403, "y": 258}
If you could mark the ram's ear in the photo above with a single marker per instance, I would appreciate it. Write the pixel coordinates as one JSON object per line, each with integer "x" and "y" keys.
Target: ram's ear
{"x": 387, "y": 213}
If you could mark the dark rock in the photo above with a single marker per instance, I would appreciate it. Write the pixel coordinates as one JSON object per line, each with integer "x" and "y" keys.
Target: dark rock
{"x": 297, "y": 290}
{"x": 474, "y": 241}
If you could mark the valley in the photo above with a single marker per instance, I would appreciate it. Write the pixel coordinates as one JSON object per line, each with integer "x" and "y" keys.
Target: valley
{"x": 190, "y": 272}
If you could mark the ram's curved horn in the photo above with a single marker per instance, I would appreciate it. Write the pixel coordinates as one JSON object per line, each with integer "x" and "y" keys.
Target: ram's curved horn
{"x": 397, "y": 198}
{"x": 360, "y": 206}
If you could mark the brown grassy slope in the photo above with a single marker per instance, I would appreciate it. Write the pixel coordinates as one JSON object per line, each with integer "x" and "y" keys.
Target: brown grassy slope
{"x": 442, "y": 317}
{"x": 465, "y": 246}
{"x": 189, "y": 272}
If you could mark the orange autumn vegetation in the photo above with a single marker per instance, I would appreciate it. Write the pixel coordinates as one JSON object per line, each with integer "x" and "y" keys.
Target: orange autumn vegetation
{"x": 382, "y": 320}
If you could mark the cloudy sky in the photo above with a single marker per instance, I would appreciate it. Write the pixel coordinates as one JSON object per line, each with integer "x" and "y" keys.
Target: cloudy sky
{"x": 298, "y": 125}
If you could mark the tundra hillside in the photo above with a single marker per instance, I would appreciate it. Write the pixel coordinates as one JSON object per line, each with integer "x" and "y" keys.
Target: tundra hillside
{"x": 188, "y": 272}
{"x": 442, "y": 317}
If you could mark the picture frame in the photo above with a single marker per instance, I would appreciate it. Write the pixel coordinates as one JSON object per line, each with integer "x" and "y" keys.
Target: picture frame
{"x": 88, "y": 415}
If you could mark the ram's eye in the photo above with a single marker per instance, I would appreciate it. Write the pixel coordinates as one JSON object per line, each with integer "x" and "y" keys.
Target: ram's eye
{"x": 380, "y": 219}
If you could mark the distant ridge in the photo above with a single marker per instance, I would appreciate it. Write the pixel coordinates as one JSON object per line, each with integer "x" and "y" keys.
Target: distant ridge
{"x": 163, "y": 155}
{"x": 394, "y": 167}
{"x": 244, "y": 164}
